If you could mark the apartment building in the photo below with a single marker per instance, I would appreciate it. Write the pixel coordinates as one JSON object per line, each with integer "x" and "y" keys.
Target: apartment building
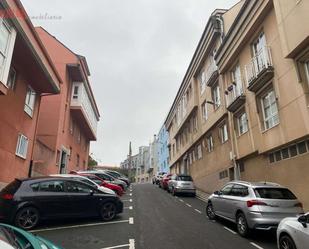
{"x": 163, "y": 156}
{"x": 67, "y": 121}
{"x": 143, "y": 165}
{"x": 242, "y": 108}
{"x": 26, "y": 74}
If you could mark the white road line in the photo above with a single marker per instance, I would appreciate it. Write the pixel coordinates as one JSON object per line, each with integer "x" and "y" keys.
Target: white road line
{"x": 188, "y": 205}
{"x": 198, "y": 211}
{"x": 233, "y": 232}
{"x": 130, "y": 194}
{"x": 130, "y": 200}
{"x": 181, "y": 200}
{"x": 132, "y": 244}
{"x": 131, "y": 207}
{"x": 78, "y": 226}
{"x": 255, "y": 245}
{"x": 131, "y": 221}
{"x": 120, "y": 246}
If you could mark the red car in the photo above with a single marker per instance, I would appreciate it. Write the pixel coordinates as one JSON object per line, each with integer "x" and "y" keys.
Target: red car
{"x": 117, "y": 189}
{"x": 164, "y": 181}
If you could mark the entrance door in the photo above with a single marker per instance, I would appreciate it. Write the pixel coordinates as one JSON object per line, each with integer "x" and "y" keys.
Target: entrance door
{"x": 63, "y": 162}
{"x": 231, "y": 174}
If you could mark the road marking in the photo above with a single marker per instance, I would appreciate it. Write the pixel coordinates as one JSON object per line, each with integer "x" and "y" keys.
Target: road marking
{"x": 130, "y": 194}
{"x": 78, "y": 226}
{"x": 188, "y": 205}
{"x": 198, "y": 211}
{"x": 181, "y": 200}
{"x": 132, "y": 244}
{"x": 257, "y": 246}
{"x": 131, "y": 207}
{"x": 176, "y": 197}
{"x": 130, "y": 200}
{"x": 201, "y": 199}
{"x": 131, "y": 221}
{"x": 233, "y": 232}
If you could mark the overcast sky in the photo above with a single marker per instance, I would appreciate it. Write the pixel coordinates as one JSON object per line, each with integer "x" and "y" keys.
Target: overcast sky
{"x": 138, "y": 52}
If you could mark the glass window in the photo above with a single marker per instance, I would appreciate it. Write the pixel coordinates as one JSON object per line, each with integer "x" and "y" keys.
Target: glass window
{"x": 202, "y": 80}
{"x": 78, "y": 187}
{"x": 224, "y": 133}
{"x": 30, "y": 101}
{"x": 270, "y": 110}
{"x": 51, "y": 186}
{"x": 278, "y": 155}
{"x": 285, "y": 153}
{"x": 185, "y": 178}
{"x": 302, "y": 147}
{"x": 216, "y": 96}
{"x": 242, "y": 122}
{"x": 204, "y": 111}
{"x": 274, "y": 193}
{"x": 210, "y": 144}
{"x": 293, "y": 150}
{"x": 239, "y": 190}
{"x": 271, "y": 157}
{"x": 199, "y": 152}
{"x": 22, "y": 146}
{"x": 227, "y": 189}
{"x": 11, "y": 79}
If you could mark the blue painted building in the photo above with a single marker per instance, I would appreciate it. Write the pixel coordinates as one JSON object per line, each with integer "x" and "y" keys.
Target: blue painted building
{"x": 163, "y": 156}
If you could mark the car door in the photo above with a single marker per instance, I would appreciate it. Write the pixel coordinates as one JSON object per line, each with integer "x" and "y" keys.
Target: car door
{"x": 51, "y": 198}
{"x": 171, "y": 183}
{"x": 302, "y": 234}
{"x": 218, "y": 200}
{"x": 82, "y": 199}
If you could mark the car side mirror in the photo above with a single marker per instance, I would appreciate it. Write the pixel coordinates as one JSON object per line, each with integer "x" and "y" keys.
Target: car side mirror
{"x": 218, "y": 193}
{"x": 91, "y": 192}
{"x": 303, "y": 220}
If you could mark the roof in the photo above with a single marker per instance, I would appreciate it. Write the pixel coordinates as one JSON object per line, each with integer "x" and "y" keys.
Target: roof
{"x": 257, "y": 184}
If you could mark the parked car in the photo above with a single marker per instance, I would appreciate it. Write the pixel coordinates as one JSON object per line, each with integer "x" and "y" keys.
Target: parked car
{"x": 25, "y": 202}
{"x": 88, "y": 181}
{"x": 15, "y": 238}
{"x": 164, "y": 181}
{"x": 115, "y": 188}
{"x": 253, "y": 205}
{"x": 181, "y": 184}
{"x": 118, "y": 176}
{"x": 293, "y": 233}
{"x": 156, "y": 179}
{"x": 106, "y": 177}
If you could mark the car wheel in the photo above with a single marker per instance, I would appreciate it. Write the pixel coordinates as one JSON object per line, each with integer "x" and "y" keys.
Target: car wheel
{"x": 286, "y": 242}
{"x": 27, "y": 218}
{"x": 108, "y": 211}
{"x": 242, "y": 226}
{"x": 173, "y": 192}
{"x": 210, "y": 211}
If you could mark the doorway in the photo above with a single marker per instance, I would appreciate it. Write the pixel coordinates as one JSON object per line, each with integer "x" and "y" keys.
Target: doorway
{"x": 63, "y": 162}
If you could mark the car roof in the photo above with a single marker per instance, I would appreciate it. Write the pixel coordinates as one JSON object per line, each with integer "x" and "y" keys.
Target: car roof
{"x": 257, "y": 184}
{"x": 67, "y": 175}
{"x": 41, "y": 178}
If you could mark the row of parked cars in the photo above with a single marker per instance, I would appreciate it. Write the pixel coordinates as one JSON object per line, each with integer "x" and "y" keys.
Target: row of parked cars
{"x": 26, "y": 202}
{"x": 251, "y": 206}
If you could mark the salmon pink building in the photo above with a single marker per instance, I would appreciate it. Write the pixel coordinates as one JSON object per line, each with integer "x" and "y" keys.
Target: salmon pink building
{"x": 26, "y": 74}
{"x": 67, "y": 121}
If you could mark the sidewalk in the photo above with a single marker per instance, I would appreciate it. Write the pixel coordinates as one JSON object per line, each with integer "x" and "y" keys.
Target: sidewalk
{"x": 202, "y": 195}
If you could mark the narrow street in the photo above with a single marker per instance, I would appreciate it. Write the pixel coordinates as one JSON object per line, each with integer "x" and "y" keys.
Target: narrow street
{"x": 154, "y": 219}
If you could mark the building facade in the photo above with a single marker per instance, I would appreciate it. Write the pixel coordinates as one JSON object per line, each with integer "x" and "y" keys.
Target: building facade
{"x": 67, "y": 121}
{"x": 143, "y": 165}
{"x": 163, "y": 156}
{"x": 241, "y": 111}
{"x": 26, "y": 73}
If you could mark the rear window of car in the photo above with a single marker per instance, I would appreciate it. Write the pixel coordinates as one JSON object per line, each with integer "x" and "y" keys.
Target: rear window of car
{"x": 274, "y": 193}
{"x": 185, "y": 178}
{"x": 12, "y": 187}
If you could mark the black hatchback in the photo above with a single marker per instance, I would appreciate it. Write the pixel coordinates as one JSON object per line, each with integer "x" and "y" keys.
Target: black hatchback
{"x": 24, "y": 202}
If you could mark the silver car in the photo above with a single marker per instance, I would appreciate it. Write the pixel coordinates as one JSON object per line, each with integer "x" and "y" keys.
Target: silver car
{"x": 253, "y": 205}
{"x": 181, "y": 184}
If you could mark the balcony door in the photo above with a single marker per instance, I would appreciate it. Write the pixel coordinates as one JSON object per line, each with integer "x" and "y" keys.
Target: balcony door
{"x": 259, "y": 48}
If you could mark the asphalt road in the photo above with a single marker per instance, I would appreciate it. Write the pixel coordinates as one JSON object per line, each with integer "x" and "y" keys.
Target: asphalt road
{"x": 154, "y": 219}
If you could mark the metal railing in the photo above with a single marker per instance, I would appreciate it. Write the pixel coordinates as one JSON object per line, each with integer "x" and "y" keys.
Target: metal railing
{"x": 258, "y": 63}
{"x": 233, "y": 93}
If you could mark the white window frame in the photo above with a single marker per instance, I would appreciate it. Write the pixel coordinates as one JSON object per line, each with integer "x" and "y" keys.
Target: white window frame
{"x": 22, "y": 152}
{"x": 199, "y": 152}
{"x": 8, "y": 53}
{"x": 216, "y": 96}
{"x": 202, "y": 80}
{"x": 241, "y": 124}
{"x": 224, "y": 135}
{"x": 210, "y": 143}
{"x": 307, "y": 70}
{"x": 30, "y": 101}
{"x": 204, "y": 111}
{"x": 272, "y": 116}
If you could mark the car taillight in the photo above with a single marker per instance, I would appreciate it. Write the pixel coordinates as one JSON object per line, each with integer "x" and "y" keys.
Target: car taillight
{"x": 299, "y": 204}
{"x": 252, "y": 203}
{"x": 7, "y": 197}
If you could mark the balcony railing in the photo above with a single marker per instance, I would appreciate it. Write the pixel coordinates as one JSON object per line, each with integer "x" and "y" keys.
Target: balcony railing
{"x": 260, "y": 65}
{"x": 234, "y": 97}
{"x": 80, "y": 99}
{"x": 211, "y": 72}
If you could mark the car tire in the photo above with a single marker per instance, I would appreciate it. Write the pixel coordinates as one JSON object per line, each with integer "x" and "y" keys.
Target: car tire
{"x": 108, "y": 211}
{"x": 210, "y": 211}
{"x": 286, "y": 242}
{"x": 173, "y": 192}
{"x": 242, "y": 225}
{"x": 27, "y": 218}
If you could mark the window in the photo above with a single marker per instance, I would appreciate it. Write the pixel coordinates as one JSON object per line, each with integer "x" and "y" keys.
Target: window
{"x": 49, "y": 186}
{"x": 236, "y": 78}
{"x": 7, "y": 40}
{"x": 293, "y": 150}
{"x": 71, "y": 125}
{"x": 242, "y": 123}
{"x": 239, "y": 190}
{"x": 30, "y": 101}
{"x": 202, "y": 80}
{"x": 307, "y": 70}
{"x": 216, "y": 96}
{"x": 271, "y": 157}
{"x": 194, "y": 123}
{"x": 75, "y": 92}
{"x": 227, "y": 189}
{"x": 58, "y": 157}
{"x": 204, "y": 111}
{"x": 278, "y": 155}
{"x": 270, "y": 110}
{"x": 11, "y": 79}
{"x": 302, "y": 147}
{"x": 78, "y": 187}
{"x": 77, "y": 160}
{"x": 285, "y": 153}
{"x": 223, "y": 174}
{"x": 210, "y": 143}
{"x": 274, "y": 193}
{"x": 199, "y": 152}
{"x": 22, "y": 146}
{"x": 223, "y": 133}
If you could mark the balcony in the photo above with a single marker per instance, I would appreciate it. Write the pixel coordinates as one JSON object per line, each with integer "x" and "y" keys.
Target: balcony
{"x": 235, "y": 97}
{"x": 211, "y": 74}
{"x": 260, "y": 70}
{"x": 83, "y": 110}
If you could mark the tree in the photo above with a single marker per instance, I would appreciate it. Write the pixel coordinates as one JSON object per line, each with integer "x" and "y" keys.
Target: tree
{"x": 91, "y": 163}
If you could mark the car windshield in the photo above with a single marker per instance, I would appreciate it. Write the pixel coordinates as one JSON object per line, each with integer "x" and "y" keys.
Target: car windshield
{"x": 274, "y": 193}
{"x": 185, "y": 178}
{"x": 14, "y": 238}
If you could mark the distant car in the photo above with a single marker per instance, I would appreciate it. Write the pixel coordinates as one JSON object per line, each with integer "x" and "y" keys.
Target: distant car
{"x": 253, "y": 205}
{"x": 115, "y": 188}
{"x": 88, "y": 181}
{"x": 157, "y": 178}
{"x": 25, "y": 202}
{"x": 181, "y": 184}
{"x": 293, "y": 233}
{"x": 15, "y": 238}
{"x": 164, "y": 181}
{"x": 118, "y": 176}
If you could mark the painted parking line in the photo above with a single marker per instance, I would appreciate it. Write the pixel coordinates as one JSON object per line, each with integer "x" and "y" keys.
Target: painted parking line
{"x": 131, "y": 207}
{"x": 130, "y": 200}
{"x": 130, "y": 194}
{"x": 131, "y": 221}
{"x": 131, "y": 245}
{"x": 188, "y": 205}
{"x": 181, "y": 200}
{"x": 79, "y": 226}
{"x": 255, "y": 245}
{"x": 230, "y": 230}
{"x": 198, "y": 211}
